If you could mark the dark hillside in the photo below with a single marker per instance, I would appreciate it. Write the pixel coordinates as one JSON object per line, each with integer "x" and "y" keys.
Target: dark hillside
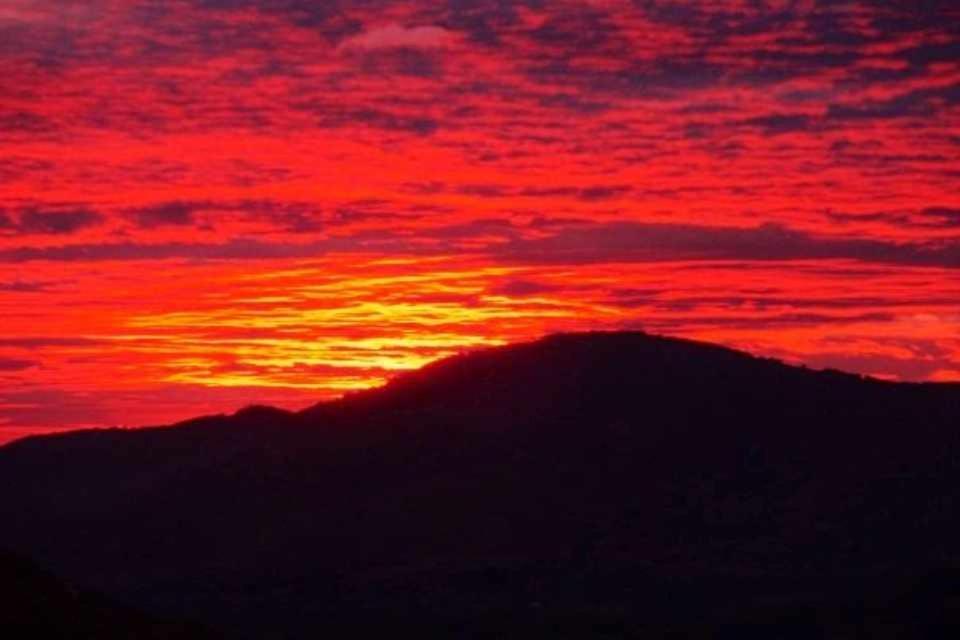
{"x": 623, "y": 476}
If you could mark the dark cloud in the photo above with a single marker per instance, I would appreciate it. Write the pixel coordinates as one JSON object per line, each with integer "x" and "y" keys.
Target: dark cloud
{"x": 16, "y": 167}
{"x": 577, "y": 30}
{"x": 942, "y": 216}
{"x": 483, "y": 21}
{"x": 330, "y": 18}
{"x": 917, "y": 103}
{"x": 603, "y": 192}
{"x": 421, "y": 125}
{"x": 946, "y": 218}
{"x": 578, "y": 244}
{"x": 286, "y": 216}
{"x": 720, "y": 48}
{"x": 483, "y": 190}
{"x": 773, "y": 300}
{"x": 415, "y": 119}
{"x": 911, "y": 16}
{"x": 238, "y": 249}
{"x": 588, "y": 193}
{"x": 401, "y": 61}
{"x": 573, "y": 102}
{"x": 719, "y": 20}
{"x": 658, "y": 79}
{"x": 49, "y": 406}
{"x": 177, "y": 214}
{"x": 803, "y": 40}
{"x": 26, "y": 286}
{"x": 44, "y": 221}
{"x": 40, "y": 342}
{"x": 646, "y": 242}
{"x": 779, "y": 123}
{"x": 756, "y": 320}
{"x": 300, "y": 222}
{"x": 15, "y": 364}
{"x": 24, "y": 123}
{"x": 778, "y": 65}
{"x": 522, "y": 288}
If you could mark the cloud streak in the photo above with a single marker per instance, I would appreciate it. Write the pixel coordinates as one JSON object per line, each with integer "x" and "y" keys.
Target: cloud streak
{"x": 47, "y": 221}
{"x": 394, "y": 36}
{"x": 597, "y": 243}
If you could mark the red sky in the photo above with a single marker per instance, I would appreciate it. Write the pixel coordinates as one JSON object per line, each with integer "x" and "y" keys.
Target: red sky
{"x": 209, "y": 203}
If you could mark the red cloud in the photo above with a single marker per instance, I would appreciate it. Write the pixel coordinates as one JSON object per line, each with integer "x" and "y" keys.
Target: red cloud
{"x": 268, "y": 196}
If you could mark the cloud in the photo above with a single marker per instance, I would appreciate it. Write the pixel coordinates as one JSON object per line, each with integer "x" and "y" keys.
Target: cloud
{"x": 942, "y": 217}
{"x": 755, "y": 320}
{"x": 778, "y": 123}
{"x": 167, "y": 214}
{"x": 522, "y": 288}
{"x": 41, "y": 342}
{"x": 26, "y": 286}
{"x": 25, "y": 123}
{"x": 416, "y": 63}
{"x": 417, "y": 123}
{"x": 881, "y": 364}
{"x": 945, "y": 218}
{"x": 57, "y": 222}
{"x": 238, "y": 249}
{"x": 414, "y": 119}
{"x": 592, "y": 243}
{"x": 54, "y": 221}
{"x": 652, "y": 242}
{"x": 587, "y": 193}
{"x": 573, "y": 102}
{"x": 916, "y": 103}
{"x": 14, "y": 364}
{"x": 394, "y": 36}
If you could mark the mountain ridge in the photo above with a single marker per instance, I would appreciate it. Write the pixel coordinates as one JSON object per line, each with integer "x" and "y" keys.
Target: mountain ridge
{"x": 407, "y": 379}
{"x": 578, "y": 470}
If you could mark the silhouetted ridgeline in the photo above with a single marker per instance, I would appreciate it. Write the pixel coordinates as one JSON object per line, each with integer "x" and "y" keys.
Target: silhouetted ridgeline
{"x": 581, "y": 484}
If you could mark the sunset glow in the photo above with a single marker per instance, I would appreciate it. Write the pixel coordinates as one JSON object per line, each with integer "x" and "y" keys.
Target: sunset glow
{"x": 211, "y": 203}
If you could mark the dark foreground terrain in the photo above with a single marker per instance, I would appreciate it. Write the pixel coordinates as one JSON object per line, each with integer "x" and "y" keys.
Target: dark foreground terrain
{"x": 35, "y": 604}
{"x": 584, "y": 485}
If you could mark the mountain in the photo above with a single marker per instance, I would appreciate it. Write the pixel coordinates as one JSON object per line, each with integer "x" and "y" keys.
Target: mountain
{"x": 590, "y": 483}
{"x": 35, "y": 604}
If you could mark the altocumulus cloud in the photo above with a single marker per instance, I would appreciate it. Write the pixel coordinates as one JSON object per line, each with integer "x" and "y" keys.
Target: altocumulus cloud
{"x": 47, "y": 221}
{"x": 393, "y": 36}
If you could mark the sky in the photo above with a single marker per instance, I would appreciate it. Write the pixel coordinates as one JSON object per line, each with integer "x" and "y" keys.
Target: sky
{"x": 210, "y": 203}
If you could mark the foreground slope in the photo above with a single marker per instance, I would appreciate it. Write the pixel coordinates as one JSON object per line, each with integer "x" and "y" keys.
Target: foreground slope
{"x": 582, "y": 472}
{"x": 35, "y": 604}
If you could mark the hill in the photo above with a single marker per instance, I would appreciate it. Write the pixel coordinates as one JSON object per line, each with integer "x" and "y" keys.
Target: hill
{"x": 35, "y": 604}
{"x": 599, "y": 479}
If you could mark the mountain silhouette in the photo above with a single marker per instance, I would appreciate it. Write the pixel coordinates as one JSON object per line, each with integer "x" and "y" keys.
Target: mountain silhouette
{"x": 595, "y": 483}
{"x": 35, "y": 604}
